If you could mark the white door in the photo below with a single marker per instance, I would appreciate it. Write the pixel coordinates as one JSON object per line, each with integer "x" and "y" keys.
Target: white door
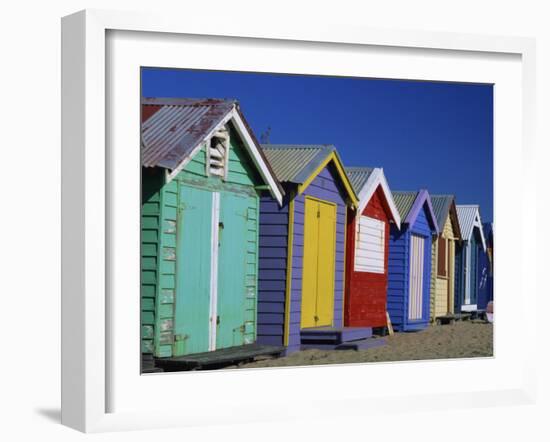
{"x": 416, "y": 274}
{"x": 467, "y": 299}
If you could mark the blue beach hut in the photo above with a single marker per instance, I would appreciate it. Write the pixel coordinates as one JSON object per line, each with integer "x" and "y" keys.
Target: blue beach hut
{"x": 410, "y": 261}
{"x": 485, "y": 269}
{"x": 467, "y": 272}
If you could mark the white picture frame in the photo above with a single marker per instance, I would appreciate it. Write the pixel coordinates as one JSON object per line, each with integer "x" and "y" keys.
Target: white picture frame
{"x": 93, "y": 368}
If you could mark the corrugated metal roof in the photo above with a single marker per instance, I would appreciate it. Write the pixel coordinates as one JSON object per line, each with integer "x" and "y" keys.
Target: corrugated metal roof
{"x": 441, "y": 205}
{"x": 466, "y": 218}
{"x": 176, "y": 126}
{"x": 295, "y": 162}
{"x": 358, "y": 176}
{"x": 404, "y": 202}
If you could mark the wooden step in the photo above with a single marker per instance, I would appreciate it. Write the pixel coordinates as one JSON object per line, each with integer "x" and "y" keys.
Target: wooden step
{"x": 333, "y": 335}
{"x": 362, "y": 344}
{"x": 218, "y": 358}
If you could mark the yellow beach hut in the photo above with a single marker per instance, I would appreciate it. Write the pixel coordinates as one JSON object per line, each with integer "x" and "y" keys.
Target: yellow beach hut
{"x": 443, "y": 258}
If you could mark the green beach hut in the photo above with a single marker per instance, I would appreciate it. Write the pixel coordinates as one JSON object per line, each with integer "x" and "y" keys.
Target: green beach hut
{"x": 202, "y": 172}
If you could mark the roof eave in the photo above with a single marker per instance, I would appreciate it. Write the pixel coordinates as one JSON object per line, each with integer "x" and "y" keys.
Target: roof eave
{"x": 377, "y": 178}
{"x": 330, "y": 155}
{"x": 422, "y": 197}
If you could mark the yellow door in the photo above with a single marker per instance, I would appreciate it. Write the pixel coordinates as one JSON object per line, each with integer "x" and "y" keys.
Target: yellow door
{"x": 318, "y": 265}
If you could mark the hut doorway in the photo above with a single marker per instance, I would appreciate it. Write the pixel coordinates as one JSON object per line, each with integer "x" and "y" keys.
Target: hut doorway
{"x": 211, "y": 264}
{"x": 319, "y": 263}
{"x": 193, "y": 303}
{"x": 416, "y": 277}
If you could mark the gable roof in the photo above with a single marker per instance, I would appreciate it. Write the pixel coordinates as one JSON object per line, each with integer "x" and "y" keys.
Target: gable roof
{"x": 444, "y": 206}
{"x": 469, "y": 218}
{"x": 404, "y": 202}
{"x": 365, "y": 181}
{"x": 294, "y": 163}
{"x": 359, "y": 176}
{"x": 174, "y": 129}
{"x": 299, "y": 164}
{"x": 410, "y": 203}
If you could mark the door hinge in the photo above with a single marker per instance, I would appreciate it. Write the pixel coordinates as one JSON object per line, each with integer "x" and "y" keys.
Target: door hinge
{"x": 316, "y": 318}
{"x": 318, "y": 213}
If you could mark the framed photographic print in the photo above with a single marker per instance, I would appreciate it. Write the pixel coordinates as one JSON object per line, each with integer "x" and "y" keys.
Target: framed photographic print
{"x": 275, "y": 215}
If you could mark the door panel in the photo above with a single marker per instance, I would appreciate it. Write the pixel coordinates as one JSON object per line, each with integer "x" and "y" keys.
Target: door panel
{"x": 318, "y": 264}
{"x": 325, "y": 272}
{"x": 416, "y": 281}
{"x": 309, "y": 272}
{"x": 232, "y": 270}
{"x": 192, "y": 313}
{"x": 474, "y": 250}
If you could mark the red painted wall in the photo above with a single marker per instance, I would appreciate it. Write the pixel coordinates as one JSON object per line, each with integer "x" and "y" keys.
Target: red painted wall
{"x": 366, "y": 293}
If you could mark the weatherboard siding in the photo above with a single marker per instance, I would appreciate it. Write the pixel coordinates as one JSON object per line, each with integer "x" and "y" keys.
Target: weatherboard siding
{"x": 460, "y": 256}
{"x": 442, "y": 285}
{"x": 272, "y": 271}
{"x": 159, "y": 238}
{"x": 273, "y": 255}
{"x": 433, "y": 277}
{"x": 323, "y": 187}
{"x": 473, "y": 267}
{"x": 366, "y": 292}
{"x": 164, "y": 331}
{"x": 399, "y": 273}
{"x": 150, "y": 230}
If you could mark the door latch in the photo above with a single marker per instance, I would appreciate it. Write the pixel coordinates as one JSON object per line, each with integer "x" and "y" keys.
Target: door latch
{"x": 220, "y": 231}
{"x": 217, "y": 319}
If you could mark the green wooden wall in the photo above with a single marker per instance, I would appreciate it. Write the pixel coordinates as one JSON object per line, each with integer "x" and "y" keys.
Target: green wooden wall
{"x": 159, "y": 239}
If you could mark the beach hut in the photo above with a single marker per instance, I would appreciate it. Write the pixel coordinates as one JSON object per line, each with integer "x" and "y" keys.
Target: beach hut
{"x": 410, "y": 261}
{"x": 202, "y": 171}
{"x": 367, "y": 248}
{"x": 442, "y": 290}
{"x": 485, "y": 269}
{"x": 467, "y": 258}
{"x": 301, "y": 273}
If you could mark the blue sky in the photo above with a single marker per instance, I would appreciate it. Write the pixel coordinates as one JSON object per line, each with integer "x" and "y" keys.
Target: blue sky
{"x": 437, "y": 136}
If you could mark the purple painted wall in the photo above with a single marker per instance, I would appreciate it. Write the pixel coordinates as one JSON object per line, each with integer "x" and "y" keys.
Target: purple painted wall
{"x": 272, "y": 272}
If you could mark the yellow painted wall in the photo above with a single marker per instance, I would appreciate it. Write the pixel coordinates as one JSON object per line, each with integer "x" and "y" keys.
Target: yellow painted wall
{"x": 441, "y": 302}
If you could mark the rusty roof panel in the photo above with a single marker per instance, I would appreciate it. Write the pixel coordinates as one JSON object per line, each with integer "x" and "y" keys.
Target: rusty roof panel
{"x": 177, "y": 127}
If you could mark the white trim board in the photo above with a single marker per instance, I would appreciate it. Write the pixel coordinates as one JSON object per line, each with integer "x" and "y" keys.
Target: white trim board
{"x": 214, "y": 270}
{"x": 378, "y": 178}
{"x": 250, "y": 145}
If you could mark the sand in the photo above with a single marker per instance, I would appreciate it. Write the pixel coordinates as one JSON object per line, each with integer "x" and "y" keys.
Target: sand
{"x": 466, "y": 339}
